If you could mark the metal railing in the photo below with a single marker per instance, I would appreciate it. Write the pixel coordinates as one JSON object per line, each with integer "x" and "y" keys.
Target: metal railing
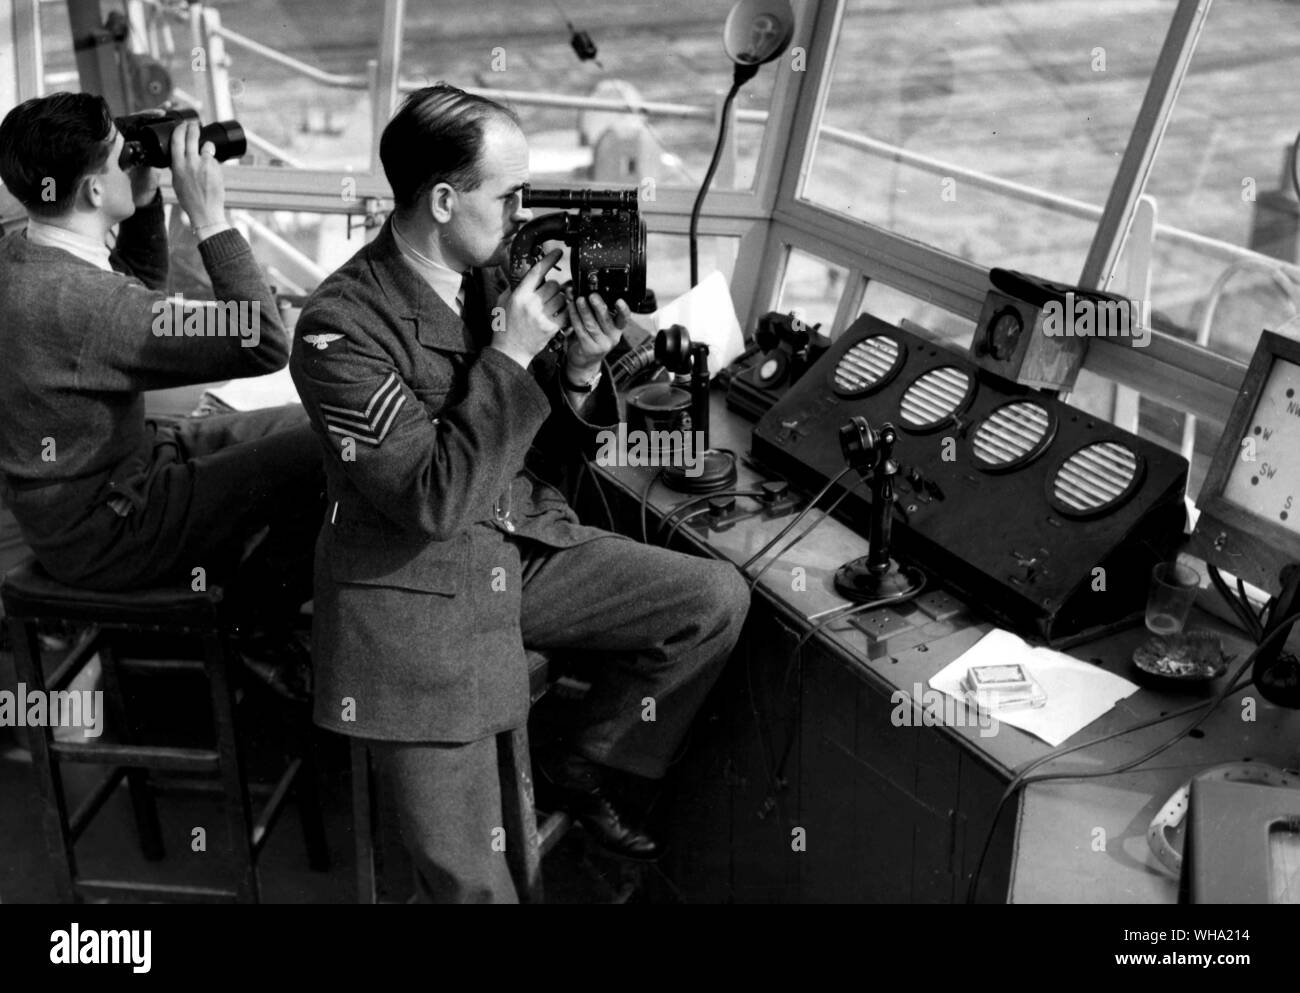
{"x": 1222, "y": 250}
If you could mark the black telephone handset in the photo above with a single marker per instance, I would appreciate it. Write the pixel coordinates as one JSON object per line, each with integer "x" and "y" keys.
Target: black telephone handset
{"x": 784, "y": 348}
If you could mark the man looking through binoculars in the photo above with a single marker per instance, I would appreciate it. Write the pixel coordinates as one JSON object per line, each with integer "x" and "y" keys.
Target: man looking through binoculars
{"x": 107, "y": 498}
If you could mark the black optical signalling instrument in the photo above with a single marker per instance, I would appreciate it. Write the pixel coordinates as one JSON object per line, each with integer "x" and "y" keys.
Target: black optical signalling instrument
{"x": 606, "y": 236}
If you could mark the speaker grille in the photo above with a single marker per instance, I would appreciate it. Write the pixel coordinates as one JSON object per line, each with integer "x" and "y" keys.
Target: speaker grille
{"x": 1095, "y": 477}
{"x": 1012, "y": 434}
{"x": 935, "y": 397}
{"x": 868, "y": 364}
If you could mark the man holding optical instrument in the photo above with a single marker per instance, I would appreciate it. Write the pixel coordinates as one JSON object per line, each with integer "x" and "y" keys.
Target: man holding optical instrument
{"x": 444, "y": 553}
{"x": 108, "y": 499}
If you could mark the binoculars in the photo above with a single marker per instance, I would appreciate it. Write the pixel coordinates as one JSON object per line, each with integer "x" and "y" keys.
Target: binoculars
{"x": 148, "y": 137}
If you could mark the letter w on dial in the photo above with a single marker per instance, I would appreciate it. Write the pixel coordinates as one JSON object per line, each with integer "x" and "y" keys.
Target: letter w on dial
{"x": 370, "y": 425}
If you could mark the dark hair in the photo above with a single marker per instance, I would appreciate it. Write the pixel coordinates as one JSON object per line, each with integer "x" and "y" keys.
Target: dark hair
{"x": 60, "y": 137}
{"x": 436, "y": 136}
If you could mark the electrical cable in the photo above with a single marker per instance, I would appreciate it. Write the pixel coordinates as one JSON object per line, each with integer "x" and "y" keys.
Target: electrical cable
{"x": 796, "y": 660}
{"x": 741, "y": 76}
{"x": 755, "y": 494}
{"x": 645, "y": 504}
{"x": 1295, "y": 175}
{"x": 1245, "y": 599}
{"x": 1239, "y": 605}
{"x": 798, "y": 538}
{"x": 563, "y": 16}
{"x": 794, "y": 523}
{"x": 667, "y": 543}
{"x": 1023, "y": 778}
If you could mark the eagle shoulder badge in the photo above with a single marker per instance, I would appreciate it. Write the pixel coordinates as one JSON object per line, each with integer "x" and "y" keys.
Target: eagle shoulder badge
{"x": 320, "y": 341}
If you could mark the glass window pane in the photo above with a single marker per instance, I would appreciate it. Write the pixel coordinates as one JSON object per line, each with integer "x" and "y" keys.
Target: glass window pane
{"x": 1223, "y": 173}
{"x": 665, "y": 53}
{"x": 290, "y": 118}
{"x": 59, "y": 68}
{"x": 299, "y": 249}
{"x": 990, "y": 130}
{"x": 668, "y": 263}
{"x": 906, "y": 311}
{"x": 811, "y": 288}
{"x": 293, "y": 119}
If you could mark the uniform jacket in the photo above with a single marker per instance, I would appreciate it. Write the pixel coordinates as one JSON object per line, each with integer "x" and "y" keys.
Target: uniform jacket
{"x": 80, "y": 346}
{"x": 426, "y": 431}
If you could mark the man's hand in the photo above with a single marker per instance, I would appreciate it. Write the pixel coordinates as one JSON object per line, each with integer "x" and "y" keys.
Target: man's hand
{"x": 596, "y": 330}
{"x": 144, "y": 184}
{"x": 196, "y": 177}
{"x": 531, "y": 310}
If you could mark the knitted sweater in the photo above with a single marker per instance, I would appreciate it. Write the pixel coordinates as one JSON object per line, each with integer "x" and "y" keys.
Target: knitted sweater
{"x": 79, "y": 345}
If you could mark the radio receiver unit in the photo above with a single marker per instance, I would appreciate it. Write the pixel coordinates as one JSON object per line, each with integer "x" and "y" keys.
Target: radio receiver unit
{"x": 1044, "y": 516}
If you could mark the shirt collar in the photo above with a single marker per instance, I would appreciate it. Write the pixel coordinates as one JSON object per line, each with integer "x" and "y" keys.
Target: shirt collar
{"x": 52, "y": 236}
{"x": 445, "y": 281}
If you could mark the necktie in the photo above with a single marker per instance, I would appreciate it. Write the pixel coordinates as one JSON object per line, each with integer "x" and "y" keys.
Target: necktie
{"x": 471, "y": 309}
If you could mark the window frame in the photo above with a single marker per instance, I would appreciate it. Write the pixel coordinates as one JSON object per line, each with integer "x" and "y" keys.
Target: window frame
{"x": 770, "y": 218}
{"x": 1175, "y": 372}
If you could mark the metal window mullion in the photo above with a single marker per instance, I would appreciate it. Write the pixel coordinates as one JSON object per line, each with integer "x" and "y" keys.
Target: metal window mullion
{"x": 799, "y": 113}
{"x": 720, "y": 203}
{"x": 810, "y": 100}
{"x": 747, "y": 286}
{"x": 1173, "y": 372}
{"x": 387, "y": 78}
{"x": 782, "y": 119}
{"x": 24, "y": 28}
{"x": 1144, "y": 142}
{"x": 955, "y": 284}
{"x": 850, "y": 302}
{"x": 922, "y": 270}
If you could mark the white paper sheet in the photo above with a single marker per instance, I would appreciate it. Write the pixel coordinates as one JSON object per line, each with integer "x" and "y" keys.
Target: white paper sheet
{"x": 709, "y": 315}
{"x": 1077, "y": 692}
{"x": 272, "y": 390}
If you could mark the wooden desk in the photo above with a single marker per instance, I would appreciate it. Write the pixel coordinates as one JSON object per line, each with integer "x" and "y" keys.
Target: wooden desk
{"x": 897, "y": 813}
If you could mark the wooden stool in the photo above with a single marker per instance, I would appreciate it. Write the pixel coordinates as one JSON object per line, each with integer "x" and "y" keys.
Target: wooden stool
{"x": 526, "y": 842}
{"x": 32, "y": 597}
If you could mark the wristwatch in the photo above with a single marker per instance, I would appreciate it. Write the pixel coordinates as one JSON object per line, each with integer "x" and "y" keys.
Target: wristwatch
{"x": 585, "y": 387}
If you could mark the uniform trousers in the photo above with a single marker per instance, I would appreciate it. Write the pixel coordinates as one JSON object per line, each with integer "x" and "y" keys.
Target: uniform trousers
{"x": 658, "y": 626}
{"x": 240, "y": 496}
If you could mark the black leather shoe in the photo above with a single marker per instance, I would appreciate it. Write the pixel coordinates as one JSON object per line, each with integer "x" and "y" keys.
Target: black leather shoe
{"x": 593, "y": 806}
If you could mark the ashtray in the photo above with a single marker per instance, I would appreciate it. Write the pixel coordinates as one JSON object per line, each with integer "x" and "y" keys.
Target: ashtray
{"x": 1191, "y": 657}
